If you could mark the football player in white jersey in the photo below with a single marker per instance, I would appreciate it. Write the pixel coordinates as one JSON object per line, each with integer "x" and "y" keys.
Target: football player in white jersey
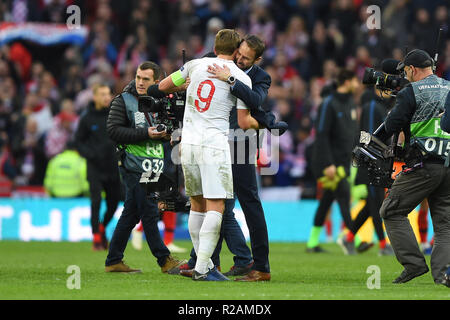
{"x": 205, "y": 152}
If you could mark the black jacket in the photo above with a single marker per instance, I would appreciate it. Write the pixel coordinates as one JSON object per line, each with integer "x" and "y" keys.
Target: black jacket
{"x": 119, "y": 126}
{"x": 399, "y": 118}
{"x": 336, "y": 131}
{"x": 94, "y": 144}
{"x": 254, "y": 98}
{"x": 445, "y": 121}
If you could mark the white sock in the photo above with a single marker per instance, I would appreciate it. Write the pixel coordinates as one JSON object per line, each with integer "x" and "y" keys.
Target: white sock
{"x": 208, "y": 237}
{"x": 195, "y": 222}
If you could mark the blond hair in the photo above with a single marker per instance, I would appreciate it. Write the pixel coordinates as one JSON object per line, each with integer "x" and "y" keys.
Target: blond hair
{"x": 97, "y": 86}
{"x": 226, "y": 42}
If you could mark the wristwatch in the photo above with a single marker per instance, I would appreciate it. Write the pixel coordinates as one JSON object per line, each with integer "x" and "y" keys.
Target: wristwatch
{"x": 231, "y": 80}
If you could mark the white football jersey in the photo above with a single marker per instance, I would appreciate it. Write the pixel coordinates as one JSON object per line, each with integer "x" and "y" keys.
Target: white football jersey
{"x": 209, "y": 102}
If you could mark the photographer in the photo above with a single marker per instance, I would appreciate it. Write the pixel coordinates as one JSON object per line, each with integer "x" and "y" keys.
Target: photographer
{"x": 141, "y": 154}
{"x": 425, "y": 175}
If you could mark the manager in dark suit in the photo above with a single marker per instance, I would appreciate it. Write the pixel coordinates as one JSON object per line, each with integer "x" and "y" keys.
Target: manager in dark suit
{"x": 244, "y": 172}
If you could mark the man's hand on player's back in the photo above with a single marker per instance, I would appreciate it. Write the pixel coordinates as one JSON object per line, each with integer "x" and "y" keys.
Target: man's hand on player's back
{"x": 218, "y": 72}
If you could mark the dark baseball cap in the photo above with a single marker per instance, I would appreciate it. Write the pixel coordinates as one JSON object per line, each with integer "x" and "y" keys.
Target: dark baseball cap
{"x": 417, "y": 58}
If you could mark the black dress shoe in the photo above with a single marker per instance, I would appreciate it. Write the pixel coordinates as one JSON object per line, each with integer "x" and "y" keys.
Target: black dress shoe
{"x": 406, "y": 276}
{"x": 316, "y": 249}
{"x": 239, "y": 271}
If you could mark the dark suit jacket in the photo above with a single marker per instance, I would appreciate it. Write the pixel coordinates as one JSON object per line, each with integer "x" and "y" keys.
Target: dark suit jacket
{"x": 254, "y": 97}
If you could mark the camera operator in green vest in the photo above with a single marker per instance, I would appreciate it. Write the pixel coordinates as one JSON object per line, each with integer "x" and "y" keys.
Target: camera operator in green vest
{"x": 426, "y": 173}
{"x": 141, "y": 154}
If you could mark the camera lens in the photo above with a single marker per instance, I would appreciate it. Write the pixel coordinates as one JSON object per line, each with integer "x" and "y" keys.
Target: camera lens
{"x": 160, "y": 128}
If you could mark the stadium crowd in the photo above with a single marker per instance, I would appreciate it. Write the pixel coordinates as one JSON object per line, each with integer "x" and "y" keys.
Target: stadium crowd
{"x": 307, "y": 41}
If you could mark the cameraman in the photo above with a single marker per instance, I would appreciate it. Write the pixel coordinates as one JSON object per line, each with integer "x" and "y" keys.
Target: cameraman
{"x": 416, "y": 113}
{"x": 141, "y": 153}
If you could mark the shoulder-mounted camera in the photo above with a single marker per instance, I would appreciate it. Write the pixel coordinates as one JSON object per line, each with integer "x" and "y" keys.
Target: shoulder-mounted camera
{"x": 377, "y": 157}
{"x": 168, "y": 111}
{"x": 383, "y": 81}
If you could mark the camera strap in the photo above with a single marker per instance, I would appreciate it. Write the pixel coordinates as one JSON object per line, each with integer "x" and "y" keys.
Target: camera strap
{"x": 147, "y": 117}
{"x": 407, "y": 169}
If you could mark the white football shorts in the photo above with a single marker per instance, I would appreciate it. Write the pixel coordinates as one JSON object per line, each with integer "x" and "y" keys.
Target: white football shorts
{"x": 207, "y": 171}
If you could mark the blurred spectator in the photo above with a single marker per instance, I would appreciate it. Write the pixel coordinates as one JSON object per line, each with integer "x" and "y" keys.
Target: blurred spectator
{"x": 40, "y": 110}
{"x": 22, "y": 59}
{"x": 7, "y": 163}
{"x": 360, "y": 62}
{"x": 125, "y": 76}
{"x": 395, "y": 22}
{"x": 9, "y": 97}
{"x": 213, "y": 26}
{"x": 306, "y": 10}
{"x": 63, "y": 129}
{"x": 261, "y": 21}
{"x": 83, "y": 97}
{"x": 37, "y": 69}
{"x": 72, "y": 82}
{"x": 345, "y": 16}
{"x": 423, "y": 35}
{"x": 213, "y": 8}
{"x": 187, "y": 22}
{"x": 443, "y": 67}
{"x": 99, "y": 48}
{"x": 302, "y": 142}
{"x": 377, "y": 42}
{"x": 442, "y": 19}
{"x": 321, "y": 47}
{"x": 54, "y": 11}
{"x": 28, "y": 150}
{"x": 314, "y": 98}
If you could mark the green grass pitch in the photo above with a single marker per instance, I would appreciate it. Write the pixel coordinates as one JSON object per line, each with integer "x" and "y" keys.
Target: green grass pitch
{"x": 38, "y": 270}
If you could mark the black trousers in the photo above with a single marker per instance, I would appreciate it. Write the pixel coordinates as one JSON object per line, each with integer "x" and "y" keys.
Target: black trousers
{"x": 342, "y": 195}
{"x": 246, "y": 189}
{"x": 137, "y": 206}
{"x": 406, "y": 193}
{"x": 375, "y": 197}
{"x": 112, "y": 197}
